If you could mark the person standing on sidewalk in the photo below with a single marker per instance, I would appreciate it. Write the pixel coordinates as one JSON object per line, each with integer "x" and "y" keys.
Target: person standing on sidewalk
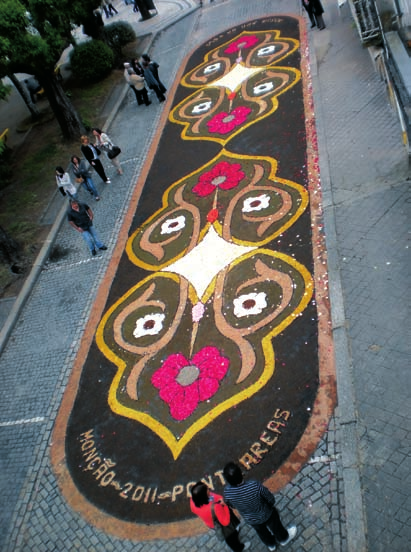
{"x": 135, "y": 79}
{"x": 108, "y": 8}
{"x": 256, "y": 504}
{"x": 153, "y": 81}
{"x": 308, "y": 8}
{"x": 64, "y": 183}
{"x": 80, "y": 217}
{"x": 318, "y": 10}
{"x": 126, "y": 74}
{"x": 140, "y": 90}
{"x": 82, "y": 174}
{"x": 210, "y": 508}
{"x": 91, "y": 153}
{"x": 153, "y": 66}
{"x": 103, "y": 141}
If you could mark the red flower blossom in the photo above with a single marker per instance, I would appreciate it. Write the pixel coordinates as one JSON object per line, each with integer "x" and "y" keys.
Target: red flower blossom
{"x": 223, "y": 175}
{"x": 241, "y": 43}
{"x": 224, "y": 122}
{"x": 183, "y": 383}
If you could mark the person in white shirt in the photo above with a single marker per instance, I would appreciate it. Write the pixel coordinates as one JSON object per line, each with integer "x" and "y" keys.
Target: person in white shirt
{"x": 64, "y": 183}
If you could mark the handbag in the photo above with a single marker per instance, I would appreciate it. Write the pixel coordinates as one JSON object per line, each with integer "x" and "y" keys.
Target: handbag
{"x": 224, "y": 531}
{"x": 113, "y": 152}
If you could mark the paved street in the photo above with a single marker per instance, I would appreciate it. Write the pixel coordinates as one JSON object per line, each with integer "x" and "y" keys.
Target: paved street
{"x": 366, "y": 202}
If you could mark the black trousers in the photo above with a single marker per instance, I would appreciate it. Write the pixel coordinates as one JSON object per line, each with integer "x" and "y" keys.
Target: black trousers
{"x": 272, "y": 531}
{"x": 233, "y": 541}
{"x": 310, "y": 13}
{"x": 141, "y": 95}
{"x": 159, "y": 92}
{"x": 320, "y": 21}
{"x": 98, "y": 167}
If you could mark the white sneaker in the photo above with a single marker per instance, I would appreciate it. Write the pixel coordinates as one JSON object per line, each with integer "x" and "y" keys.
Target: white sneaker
{"x": 292, "y": 531}
{"x": 247, "y": 545}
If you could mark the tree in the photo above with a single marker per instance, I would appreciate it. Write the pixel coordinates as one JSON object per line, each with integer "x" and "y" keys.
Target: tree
{"x": 25, "y": 95}
{"x": 33, "y": 36}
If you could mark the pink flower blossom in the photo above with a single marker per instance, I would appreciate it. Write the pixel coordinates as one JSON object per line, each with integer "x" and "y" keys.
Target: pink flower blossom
{"x": 224, "y": 122}
{"x": 241, "y": 43}
{"x": 224, "y": 175}
{"x": 183, "y": 384}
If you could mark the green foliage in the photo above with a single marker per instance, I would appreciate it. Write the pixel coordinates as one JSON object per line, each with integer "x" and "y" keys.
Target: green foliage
{"x": 117, "y": 35}
{"x": 34, "y": 33}
{"x": 91, "y": 61}
{"x": 87, "y": 123}
{"x": 37, "y": 161}
{"x": 5, "y": 90}
{"x": 33, "y": 36}
{"x": 23, "y": 229}
{"x": 25, "y": 44}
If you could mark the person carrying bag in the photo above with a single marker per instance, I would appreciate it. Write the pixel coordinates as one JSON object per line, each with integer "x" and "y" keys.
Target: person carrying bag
{"x": 112, "y": 151}
{"x": 212, "y": 510}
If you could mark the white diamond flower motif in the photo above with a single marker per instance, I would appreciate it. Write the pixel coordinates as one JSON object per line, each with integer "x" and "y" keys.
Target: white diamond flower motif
{"x": 250, "y": 304}
{"x": 150, "y": 324}
{"x": 256, "y": 203}
{"x": 173, "y": 225}
{"x": 206, "y": 260}
{"x": 236, "y": 76}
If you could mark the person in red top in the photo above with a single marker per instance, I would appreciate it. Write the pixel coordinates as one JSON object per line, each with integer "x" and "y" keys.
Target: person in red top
{"x": 200, "y": 503}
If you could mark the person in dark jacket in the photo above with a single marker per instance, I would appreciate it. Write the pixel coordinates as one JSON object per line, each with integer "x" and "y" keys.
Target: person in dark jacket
{"x": 152, "y": 78}
{"x": 80, "y": 217}
{"x": 309, "y": 10}
{"x": 318, "y": 10}
{"x": 256, "y": 504}
{"x": 91, "y": 153}
{"x": 108, "y": 8}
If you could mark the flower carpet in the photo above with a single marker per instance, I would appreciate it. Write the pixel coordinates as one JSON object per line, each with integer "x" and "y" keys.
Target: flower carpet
{"x": 210, "y": 339}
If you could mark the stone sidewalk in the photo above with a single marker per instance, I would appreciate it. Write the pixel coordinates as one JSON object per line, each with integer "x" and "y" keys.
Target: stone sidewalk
{"x": 363, "y": 168}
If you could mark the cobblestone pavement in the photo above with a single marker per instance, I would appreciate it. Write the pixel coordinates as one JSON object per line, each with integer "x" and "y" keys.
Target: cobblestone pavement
{"x": 371, "y": 204}
{"x": 363, "y": 167}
